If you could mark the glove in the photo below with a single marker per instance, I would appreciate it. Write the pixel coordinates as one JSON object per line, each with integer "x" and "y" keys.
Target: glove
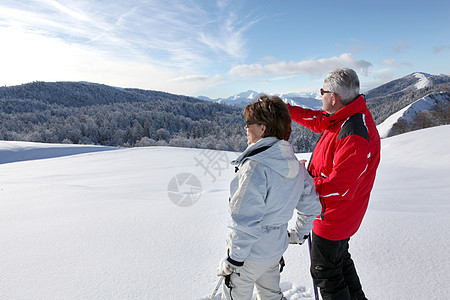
{"x": 294, "y": 239}
{"x": 226, "y": 268}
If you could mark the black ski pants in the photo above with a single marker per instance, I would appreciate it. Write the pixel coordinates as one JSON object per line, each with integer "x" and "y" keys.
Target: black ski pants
{"x": 333, "y": 270}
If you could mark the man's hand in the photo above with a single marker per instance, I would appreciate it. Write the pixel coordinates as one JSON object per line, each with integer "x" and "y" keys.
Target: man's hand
{"x": 294, "y": 239}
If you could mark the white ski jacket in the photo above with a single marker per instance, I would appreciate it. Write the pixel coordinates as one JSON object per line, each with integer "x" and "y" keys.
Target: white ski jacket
{"x": 267, "y": 188}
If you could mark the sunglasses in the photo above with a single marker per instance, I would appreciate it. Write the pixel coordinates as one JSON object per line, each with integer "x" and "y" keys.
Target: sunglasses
{"x": 248, "y": 123}
{"x": 322, "y": 92}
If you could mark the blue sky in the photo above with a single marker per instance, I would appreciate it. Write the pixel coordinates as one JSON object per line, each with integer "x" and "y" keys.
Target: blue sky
{"x": 218, "y": 48}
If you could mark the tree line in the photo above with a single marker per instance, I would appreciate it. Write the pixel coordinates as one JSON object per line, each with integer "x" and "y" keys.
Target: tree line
{"x": 86, "y": 113}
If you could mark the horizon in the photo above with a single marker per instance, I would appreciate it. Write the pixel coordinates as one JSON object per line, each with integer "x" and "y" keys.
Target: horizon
{"x": 306, "y": 90}
{"x": 219, "y": 48}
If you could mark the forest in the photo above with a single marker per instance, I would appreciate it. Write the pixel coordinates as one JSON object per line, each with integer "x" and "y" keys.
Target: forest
{"x": 88, "y": 113}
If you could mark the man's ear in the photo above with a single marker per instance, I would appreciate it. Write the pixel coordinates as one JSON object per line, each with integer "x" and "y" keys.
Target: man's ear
{"x": 334, "y": 98}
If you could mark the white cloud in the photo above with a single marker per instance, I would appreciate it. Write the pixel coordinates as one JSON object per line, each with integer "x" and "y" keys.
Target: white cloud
{"x": 172, "y": 33}
{"x": 32, "y": 57}
{"x": 229, "y": 37}
{"x": 66, "y": 10}
{"x": 128, "y": 44}
{"x": 309, "y": 67}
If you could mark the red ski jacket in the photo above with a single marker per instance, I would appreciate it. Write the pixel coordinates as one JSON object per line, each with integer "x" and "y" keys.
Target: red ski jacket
{"x": 343, "y": 164}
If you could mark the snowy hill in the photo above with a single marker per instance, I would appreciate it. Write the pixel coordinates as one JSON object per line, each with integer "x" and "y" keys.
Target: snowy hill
{"x": 104, "y": 225}
{"x": 21, "y": 151}
{"x": 399, "y": 87}
{"x": 408, "y": 113}
{"x": 395, "y": 95}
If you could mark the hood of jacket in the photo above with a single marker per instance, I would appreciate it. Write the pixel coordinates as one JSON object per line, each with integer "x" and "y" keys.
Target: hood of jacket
{"x": 279, "y": 156}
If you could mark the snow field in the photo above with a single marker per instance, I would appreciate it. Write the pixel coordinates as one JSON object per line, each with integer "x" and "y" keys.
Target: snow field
{"x": 102, "y": 225}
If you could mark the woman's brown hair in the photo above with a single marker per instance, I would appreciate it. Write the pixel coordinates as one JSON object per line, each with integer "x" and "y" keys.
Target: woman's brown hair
{"x": 272, "y": 112}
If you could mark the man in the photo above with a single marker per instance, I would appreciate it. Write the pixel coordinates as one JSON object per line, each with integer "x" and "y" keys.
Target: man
{"x": 343, "y": 165}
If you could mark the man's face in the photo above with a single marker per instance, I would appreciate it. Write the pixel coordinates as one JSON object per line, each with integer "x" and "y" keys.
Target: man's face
{"x": 327, "y": 98}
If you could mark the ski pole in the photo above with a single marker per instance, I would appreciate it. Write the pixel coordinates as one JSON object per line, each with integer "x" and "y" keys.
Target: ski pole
{"x": 316, "y": 293}
{"x": 219, "y": 283}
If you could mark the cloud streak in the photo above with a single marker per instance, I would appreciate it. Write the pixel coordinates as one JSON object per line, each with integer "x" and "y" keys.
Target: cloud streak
{"x": 308, "y": 67}
{"x": 394, "y": 64}
{"x": 401, "y": 46}
{"x": 149, "y": 44}
{"x": 174, "y": 33}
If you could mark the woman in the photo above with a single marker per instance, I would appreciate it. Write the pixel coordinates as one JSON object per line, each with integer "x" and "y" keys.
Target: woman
{"x": 269, "y": 184}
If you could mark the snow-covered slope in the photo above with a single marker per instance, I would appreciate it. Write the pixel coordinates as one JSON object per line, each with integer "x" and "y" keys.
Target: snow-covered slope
{"x": 104, "y": 225}
{"x": 423, "y": 80}
{"x": 20, "y": 151}
{"x": 409, "y": 112}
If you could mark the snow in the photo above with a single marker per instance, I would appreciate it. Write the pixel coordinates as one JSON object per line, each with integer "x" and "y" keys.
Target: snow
{"x": 409, "y": 112}
{"x": 423, "y": 81}
{"x": 20, "y": 151}
{"x": 103, "y": 225}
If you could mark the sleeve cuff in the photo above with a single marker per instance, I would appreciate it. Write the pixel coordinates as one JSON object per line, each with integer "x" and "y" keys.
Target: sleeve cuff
{"x": 235, "y": 262}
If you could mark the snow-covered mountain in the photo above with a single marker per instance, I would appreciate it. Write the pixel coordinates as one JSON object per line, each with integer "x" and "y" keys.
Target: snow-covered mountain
{"x": 408, "y": 113}
{"x": 304, "y": 99}
{"x": 397, "y": 88}
{"x": 241, "y": 99}
{"x": 104, "y": 225}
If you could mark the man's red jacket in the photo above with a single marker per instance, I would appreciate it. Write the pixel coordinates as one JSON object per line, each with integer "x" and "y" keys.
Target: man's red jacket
{"x": 343, "y": 164}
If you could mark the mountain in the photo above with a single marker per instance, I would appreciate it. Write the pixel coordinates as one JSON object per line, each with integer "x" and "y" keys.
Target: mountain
{"x": 413, "y": 102}
{"x": 399, "y": 87}
{"x": 303, "y": 99}
{"x": 103, "y": 225}
{"x": 389, "y": 98}
{"x": 240, "y": 100}
{"x": 418, "y": 113}
{"x": 79, "y": 94}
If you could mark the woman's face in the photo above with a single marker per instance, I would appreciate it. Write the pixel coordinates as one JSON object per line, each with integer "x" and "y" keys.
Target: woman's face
{"x": 255, "y": 132}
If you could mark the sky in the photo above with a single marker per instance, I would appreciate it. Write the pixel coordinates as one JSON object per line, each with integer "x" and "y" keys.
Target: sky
{"x": 218, "y": 48}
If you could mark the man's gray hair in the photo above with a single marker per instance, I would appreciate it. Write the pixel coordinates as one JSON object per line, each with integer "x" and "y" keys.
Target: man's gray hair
{"x": 343, "y": 82}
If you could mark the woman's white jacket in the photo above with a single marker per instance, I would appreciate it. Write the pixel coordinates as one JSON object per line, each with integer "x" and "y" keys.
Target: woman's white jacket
{"x": 267, "y": 188}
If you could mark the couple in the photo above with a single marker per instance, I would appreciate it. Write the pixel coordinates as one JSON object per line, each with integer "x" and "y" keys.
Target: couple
{"x": 331, "y": 197}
